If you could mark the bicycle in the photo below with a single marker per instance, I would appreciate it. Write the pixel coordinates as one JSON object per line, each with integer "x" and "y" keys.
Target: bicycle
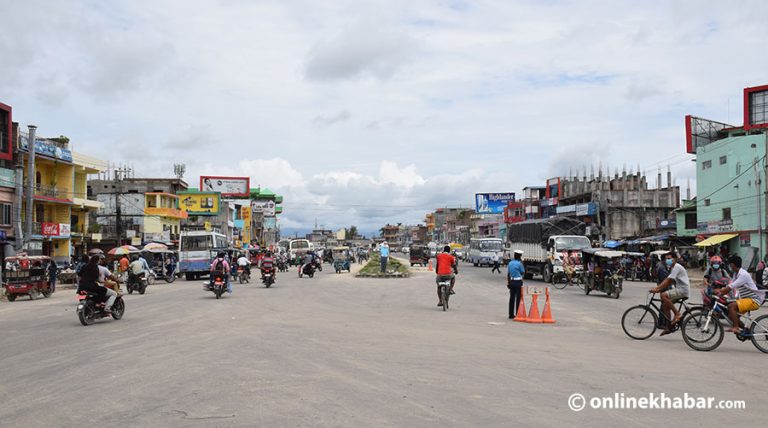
{"x": 560, "y": 280}
{"x": 703, "y": 331}
{"x": 640, "y": 322}
{"x": 445, "y": 293}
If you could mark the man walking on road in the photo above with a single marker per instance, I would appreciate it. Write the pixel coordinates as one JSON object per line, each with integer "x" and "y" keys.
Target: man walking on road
{"x": 515, "y": 272}
{"x": 384, "y": 253}
{"x": 496, "y": 265}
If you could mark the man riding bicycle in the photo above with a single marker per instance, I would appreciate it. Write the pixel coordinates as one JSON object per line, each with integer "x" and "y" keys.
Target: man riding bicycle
{"x": 748, "y": 296}
{"x": 446, "y": 269}
{"x": 677, "y": 277}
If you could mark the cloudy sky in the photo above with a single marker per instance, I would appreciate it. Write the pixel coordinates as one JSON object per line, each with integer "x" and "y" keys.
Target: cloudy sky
{"x": 366, "y": 112}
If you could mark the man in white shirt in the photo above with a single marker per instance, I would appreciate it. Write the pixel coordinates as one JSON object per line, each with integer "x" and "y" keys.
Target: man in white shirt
{"x": 244, "y": 263}
{"x": 104, "y": 275}
{"x": 748, "y": 296}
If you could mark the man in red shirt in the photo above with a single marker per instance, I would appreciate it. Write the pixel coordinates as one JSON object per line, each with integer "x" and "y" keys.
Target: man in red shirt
{"x": 446, "y": 268}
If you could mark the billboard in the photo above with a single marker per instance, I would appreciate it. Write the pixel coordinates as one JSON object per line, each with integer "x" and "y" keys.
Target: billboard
{"x": 227, "y": 186}
{"x": 756, "y": 107}
{"x": 700, "y": 132}
{"x": 200, "y": 203}
{"x": 264, "y": 206}
{"x": 492, "y": 203}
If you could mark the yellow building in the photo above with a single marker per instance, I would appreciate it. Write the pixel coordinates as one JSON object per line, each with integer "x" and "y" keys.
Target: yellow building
{"x": 162, "y": 221}
{"x": 60, "y": 206}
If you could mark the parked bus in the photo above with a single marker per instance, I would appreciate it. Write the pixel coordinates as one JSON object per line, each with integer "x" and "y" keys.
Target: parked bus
{"x": 196, "y": 250}
{"x": 481, "y": 250}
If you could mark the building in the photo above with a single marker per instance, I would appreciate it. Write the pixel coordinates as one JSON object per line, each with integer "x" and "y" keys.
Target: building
{"x": 123, "y": 217}
{"x": 618, "y": 206}
{"x": 730, "y": 178}
{"x": 8, "y": 203}
{"x": 390, "y": 232}
{"x": 532, "y": 197}
{"x": 686, "y": 220}
{"x": 60, "y": 198}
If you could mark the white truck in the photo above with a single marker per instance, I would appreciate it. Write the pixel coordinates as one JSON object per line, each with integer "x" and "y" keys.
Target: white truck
{"x": 543, "y": 242}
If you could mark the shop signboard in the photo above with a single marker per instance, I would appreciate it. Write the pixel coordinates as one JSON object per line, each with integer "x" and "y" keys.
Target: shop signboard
{"x": 266, "y": 207}
{"x": 200, "y": 203}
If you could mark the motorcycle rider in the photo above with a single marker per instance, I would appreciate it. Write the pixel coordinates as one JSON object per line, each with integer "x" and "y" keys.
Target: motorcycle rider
{"x": 221, "y": 266}
{"x": 93, "y": 278}
{"x": 136, "y": 270}
{"x": 244, "y": 263}
{"x": 268, "y": 264}
{"x": 309, "y": 259}
{"x": 445, "y": 269}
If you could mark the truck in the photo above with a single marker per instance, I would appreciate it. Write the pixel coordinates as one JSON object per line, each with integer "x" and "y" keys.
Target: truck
{"x": 543, "y": 242}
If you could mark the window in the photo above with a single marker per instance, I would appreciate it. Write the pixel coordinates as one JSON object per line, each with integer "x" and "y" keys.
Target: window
{"x": 758, "y": 110}
{"x": 690, "y": 221}
{"x": 738, "y": 168}
{"x": 726, "y": 213}
{"x": 723, "y": 160}
{"x": 706, "y": 202}
{"x": 5, "y": 214}
{"x": 706, "y": 164}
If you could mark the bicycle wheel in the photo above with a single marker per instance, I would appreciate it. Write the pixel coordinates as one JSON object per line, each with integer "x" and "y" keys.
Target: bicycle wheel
{"x": 702, "y": 331}
{"x": 579, "y": 281}
{"x": 759, "y": 332}
{"x": 558, "y": 283}
{"x": 639, "y": 322}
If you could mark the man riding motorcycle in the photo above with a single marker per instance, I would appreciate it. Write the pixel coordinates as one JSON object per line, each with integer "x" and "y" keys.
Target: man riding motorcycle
{"x": 136, "y": 270}
{"x": 220, "y": 266}
{"x": 243, "y": 262}
{"x": 445, "y": 269}
{"x": 268, "y": 266}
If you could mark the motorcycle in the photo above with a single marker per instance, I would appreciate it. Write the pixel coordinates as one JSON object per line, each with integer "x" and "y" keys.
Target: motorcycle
{"x": 308, "y": 269}
{"x": 243, "y": 275}
{"x": 282, "y": 266}
{"x": 136, "y": 283}
{"x": 218, "y": 284}
{"x": 90, "y": 308}
{"x": 268, "y": 276}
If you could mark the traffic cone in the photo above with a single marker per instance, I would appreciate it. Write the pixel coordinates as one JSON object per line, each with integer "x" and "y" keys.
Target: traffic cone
{"x": 546, "y": 316}
{"x": 520, "y": 317}
{"x": 429, "y": 266}
{"x": 533, "y": 314}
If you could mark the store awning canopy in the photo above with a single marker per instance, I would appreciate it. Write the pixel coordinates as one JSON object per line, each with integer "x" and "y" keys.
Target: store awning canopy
{"x": 716, "y": 239}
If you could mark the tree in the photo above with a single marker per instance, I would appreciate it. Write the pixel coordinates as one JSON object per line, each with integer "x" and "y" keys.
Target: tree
{"x": 352, "y": 232}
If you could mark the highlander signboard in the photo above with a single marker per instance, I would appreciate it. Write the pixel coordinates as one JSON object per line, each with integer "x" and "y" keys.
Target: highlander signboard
{"x": 492, "y": 203}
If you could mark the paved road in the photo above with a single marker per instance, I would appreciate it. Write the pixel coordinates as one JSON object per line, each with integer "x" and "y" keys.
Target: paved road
{"x": 340, "y": 351}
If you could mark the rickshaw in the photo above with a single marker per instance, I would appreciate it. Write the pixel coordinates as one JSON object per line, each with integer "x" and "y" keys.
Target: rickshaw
{"x": 634, "y": 270}
{"x": 27, "y": 275}
{"x": 603, "y": 271}
{"x": 162, "y": 263}
{"x": 418, "y": 254}
{"x": 341, "y": 259}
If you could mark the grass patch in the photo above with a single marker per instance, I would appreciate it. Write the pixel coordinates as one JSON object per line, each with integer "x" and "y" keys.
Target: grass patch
{"x": 373, "y": 267}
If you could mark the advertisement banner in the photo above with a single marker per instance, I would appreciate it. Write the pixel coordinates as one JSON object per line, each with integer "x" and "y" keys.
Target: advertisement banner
{"x": 46, "y": 148}
{"x": 492, "y": 203}
{"x": 65, "y": 230}
{"x": 200, "y": 203}
{"x": 270, "y": 223}
{"x": 245, "y": 215}
{"x": 49, "y": 229}
{"x": 227, "y": 186}
{"x": 264, "y": 206}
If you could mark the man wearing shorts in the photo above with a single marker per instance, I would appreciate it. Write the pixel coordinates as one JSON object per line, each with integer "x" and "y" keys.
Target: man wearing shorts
{"x": 748, "y": 296}
{"x": 678, "y": 277}
{"x": 445, "y": 268}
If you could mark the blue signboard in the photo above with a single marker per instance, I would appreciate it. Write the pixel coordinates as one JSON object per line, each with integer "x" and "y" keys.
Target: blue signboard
{"x": 492, "y": 203}
{"x": 46, "y": 148}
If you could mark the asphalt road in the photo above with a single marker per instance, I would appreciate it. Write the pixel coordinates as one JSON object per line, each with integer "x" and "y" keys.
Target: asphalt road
{"x": 341, "y": 351}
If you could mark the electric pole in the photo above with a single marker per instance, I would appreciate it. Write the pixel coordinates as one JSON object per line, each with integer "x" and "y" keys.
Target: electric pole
{"x": 30, "y": 186}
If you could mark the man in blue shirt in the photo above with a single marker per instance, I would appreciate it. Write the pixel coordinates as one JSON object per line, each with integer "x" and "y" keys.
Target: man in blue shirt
{"x": 384, "y": 253}
{"x": 515, "y": 272}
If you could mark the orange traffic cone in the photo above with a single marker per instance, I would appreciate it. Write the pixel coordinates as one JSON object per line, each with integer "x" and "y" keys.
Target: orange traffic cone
{"x": 429, "y": 266}
{"x": 546, "y": 316}
{"x": 533, "y": 314}
{"x": 520, "y": 316}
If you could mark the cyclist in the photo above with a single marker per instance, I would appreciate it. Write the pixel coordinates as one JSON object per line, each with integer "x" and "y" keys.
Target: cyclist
{"x": 677, "y": 277}
{"x": 446, "y": 269}
{"x": 748, "y": 297}
{"x": 569, "y": 266}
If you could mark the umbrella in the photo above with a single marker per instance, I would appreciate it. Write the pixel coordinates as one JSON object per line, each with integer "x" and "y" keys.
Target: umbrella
{"x": 95, "y": 251}
{"x": 121, "y": 251}
{"x": 154, "y": 246}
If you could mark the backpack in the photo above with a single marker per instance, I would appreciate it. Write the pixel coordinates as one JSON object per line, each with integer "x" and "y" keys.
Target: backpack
{"x": 218, "y": 265}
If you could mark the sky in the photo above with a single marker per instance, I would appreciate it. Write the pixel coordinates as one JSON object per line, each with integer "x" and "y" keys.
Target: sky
{"x": 368, "y": 112}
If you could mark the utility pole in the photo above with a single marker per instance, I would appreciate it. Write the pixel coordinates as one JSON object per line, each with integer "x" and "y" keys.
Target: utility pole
{"x": 118, "y": 211}
{"x": 17, "y": 211}
{"x": 758, "y": 189}
{"x": 30, "y": 185}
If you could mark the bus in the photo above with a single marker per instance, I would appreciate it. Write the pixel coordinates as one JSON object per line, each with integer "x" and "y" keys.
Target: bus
{"x": 299, "y": 247}
{"x": 481, "y": 250}
{"x": 196, "y": 250}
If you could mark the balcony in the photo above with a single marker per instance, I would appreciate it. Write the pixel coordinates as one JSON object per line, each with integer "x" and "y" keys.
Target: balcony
{"x": 52, "y": 194}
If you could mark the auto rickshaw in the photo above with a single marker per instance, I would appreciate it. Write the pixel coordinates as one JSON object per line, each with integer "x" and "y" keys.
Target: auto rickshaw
{"x": 419, "y": 254}
{"x": 341, "y": 259}
{"x": 634, "y": 270}
{"x": 163, "y": 264}
{"x": 603, "y": 271}
{"x": 27, "y": 275}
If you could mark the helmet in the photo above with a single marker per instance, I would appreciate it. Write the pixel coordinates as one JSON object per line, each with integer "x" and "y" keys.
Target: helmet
{"x": 715, "y": 259}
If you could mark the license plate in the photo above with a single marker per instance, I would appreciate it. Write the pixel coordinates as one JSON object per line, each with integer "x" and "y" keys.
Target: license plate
{"x": 268, "y": 275}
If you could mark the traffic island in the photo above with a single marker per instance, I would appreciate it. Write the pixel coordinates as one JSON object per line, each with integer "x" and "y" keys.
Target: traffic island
{"x": 395, "y": 269}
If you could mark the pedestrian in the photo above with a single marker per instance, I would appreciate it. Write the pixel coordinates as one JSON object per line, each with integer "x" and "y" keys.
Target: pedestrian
{"x": 496, "y": 264}
{"x": 515, "y": 272}
{"x": 384, "y": 254}
{"x": 661, "y": 271}
{"x": 52, "y": 271}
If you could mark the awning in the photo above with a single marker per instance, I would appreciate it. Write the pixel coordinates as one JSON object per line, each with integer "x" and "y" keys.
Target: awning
{"x": 716, "y": 239}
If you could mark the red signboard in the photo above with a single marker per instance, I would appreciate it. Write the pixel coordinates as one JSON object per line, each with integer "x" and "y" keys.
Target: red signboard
{"x": 756, "y": 107}
{"x": 514, "y": 212}
{"x": 50, "y": 229}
